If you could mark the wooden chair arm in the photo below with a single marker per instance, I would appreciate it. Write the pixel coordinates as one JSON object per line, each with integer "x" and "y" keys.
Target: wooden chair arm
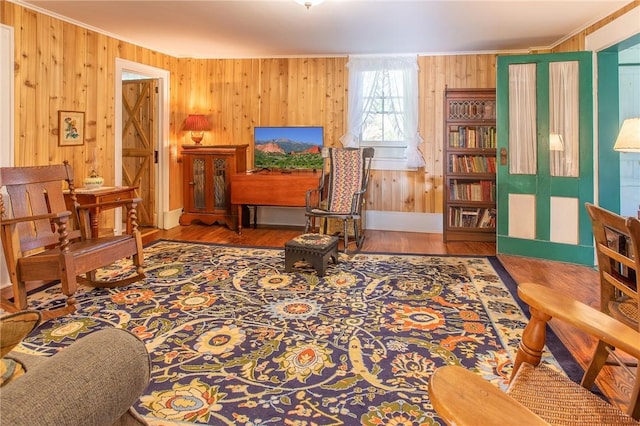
{"x": 464, "y": 398}
{"x": 357, "y": 201}
{"x": 582, "y": 316}
{"x": 312, "y": 198}
{"x": 110, "y": 204}
{"x": 37, "y": 217}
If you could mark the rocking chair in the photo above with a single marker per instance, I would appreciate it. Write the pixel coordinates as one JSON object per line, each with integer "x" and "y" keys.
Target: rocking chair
{"x": 39, "y": 244}
{"x": 340, "y": 193}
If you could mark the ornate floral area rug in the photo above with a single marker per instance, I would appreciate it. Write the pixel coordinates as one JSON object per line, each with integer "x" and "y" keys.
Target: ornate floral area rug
{"x": 234, "y": 339}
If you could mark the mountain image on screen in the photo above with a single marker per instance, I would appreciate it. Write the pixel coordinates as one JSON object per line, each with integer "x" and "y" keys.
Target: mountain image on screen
{"x": 298, "y": 148}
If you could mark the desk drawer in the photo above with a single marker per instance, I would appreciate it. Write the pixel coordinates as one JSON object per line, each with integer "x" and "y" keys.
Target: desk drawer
{"x": 114, "y": 197}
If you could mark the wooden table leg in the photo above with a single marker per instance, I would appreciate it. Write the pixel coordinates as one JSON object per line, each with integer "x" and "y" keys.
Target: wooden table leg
{"x": 94, "y": 219}
{"x": 255, "y": 217}
{"x": 239, "y": 219}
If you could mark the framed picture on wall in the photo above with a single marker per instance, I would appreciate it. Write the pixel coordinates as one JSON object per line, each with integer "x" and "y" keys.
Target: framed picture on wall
{"x": 70, "y": 128}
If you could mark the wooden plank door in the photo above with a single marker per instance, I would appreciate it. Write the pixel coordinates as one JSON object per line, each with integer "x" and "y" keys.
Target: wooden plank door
{"x": 139, "y": 144}
{"x": 545, "y": 152}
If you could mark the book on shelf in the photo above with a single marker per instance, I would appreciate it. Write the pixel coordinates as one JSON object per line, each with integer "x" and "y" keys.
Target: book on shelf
{"x": 469, "y": 217}
{"x": 488, "y": 219}
{"x": 472, "y": 164}
{"x": 472, "y": 137}
{"x": 484, "y": 190}
{"x": 466, "y": 217}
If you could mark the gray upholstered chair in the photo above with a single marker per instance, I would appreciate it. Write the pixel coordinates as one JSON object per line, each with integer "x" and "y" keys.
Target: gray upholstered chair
{"x": 94, "y": 381}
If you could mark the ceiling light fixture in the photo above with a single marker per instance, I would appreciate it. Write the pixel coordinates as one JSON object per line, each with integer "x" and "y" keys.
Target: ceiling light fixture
{"x": 309, "y": 3}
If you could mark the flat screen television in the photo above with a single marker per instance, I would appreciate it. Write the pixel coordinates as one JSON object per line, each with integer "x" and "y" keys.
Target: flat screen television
{"x": 288, "y": 147}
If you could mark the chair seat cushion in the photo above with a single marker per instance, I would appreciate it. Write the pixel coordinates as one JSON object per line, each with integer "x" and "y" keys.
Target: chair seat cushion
{"x": 87, "y": 246}
{"x": 316, "y": 249}
{"x": 322, "y": 212}
{"x": 313, "y": 242}
{"x": 626, "y": 310}
{"x": 571, "y": 404}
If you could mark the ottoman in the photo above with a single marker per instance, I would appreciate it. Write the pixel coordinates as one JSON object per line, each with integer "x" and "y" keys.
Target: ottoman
{"x": 315, "y": 249}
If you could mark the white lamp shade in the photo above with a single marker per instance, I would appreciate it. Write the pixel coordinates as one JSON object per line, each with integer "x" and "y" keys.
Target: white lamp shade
{"x": 629, "y": 137}
{"x": 555, "y": 142}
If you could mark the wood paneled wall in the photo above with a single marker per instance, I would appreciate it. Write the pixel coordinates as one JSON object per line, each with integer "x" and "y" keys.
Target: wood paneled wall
{"x": 60, "y": 66}
{"x": 239, "y": 94}
{"x": 576, "y": 42}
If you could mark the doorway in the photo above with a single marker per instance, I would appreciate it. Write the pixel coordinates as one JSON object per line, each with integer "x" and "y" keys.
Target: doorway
{"x": 160, "y": 170}
{"x": 140, "y": 143}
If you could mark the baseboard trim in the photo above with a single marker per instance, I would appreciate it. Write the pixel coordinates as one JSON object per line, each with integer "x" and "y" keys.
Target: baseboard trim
{"x": 429, "y": 223}
{"x": 379, "y": 220}
{"x": 171, "y": 218}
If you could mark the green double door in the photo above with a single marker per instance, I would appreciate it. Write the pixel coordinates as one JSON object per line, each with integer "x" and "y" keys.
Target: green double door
{"x": 545, "y": 161}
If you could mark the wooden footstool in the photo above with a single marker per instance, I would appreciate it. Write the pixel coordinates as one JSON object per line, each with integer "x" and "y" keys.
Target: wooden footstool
{"x": 315, "y": 249}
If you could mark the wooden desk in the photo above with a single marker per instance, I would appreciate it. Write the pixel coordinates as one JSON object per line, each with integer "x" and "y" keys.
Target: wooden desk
{"x": 271, "y": 188}
{"x": 100, "y": 195}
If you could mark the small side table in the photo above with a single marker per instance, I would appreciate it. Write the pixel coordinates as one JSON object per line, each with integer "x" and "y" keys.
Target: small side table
{"x": 100, "y": 195}
{"x": 315, "y": 249}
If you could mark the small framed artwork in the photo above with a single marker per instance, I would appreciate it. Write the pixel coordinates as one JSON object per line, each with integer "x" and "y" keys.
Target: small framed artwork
{"x": 70, "y": 128}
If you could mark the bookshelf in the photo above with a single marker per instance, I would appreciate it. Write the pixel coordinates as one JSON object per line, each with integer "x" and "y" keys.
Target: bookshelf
{"x": 469, "y": 165}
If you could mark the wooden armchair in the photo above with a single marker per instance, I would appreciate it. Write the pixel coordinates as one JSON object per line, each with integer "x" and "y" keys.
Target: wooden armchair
{"x": 617, "y": 241}
{"x": 538, "y": 394}
{"x": 340, "y": 194}
{"x": 39, "y": 244}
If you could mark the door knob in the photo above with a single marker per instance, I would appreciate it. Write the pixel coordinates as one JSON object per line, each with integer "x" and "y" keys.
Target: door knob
{"x": 503, "y": 156}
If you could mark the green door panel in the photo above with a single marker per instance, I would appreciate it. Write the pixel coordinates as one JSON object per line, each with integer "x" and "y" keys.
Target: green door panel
{"x": 543, "y": 186}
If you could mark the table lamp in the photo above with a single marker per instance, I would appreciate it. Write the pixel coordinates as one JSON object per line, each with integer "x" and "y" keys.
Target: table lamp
{"x": 629, "y": 137}
{"x": 197, "y": 124}
{"x": 555, "y": 142}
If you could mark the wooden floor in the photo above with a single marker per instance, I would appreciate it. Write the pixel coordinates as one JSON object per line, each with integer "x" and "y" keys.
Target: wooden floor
{"x": 579, "y": 281}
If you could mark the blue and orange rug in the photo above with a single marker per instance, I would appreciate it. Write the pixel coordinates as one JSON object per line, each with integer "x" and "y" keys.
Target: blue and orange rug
{"x": 235, "y": 340}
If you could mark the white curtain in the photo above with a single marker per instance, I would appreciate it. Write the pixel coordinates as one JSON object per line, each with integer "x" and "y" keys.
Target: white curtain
{"x": 366, "y": 77}
{"x": 564, "y": 117}
{"x": 522, "y": 119}
{"x": 358, "y": 101}
{"x": 413, "y": 138}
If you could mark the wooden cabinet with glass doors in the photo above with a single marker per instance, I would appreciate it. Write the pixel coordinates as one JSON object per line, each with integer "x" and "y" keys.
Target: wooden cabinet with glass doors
{"x": 470, "y": 165}
{"x": 207, "y": 182}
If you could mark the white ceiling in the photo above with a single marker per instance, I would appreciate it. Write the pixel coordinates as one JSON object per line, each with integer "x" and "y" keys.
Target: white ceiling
{"x": 281, "y": 28}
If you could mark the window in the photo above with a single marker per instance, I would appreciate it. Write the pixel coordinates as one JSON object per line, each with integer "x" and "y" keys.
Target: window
{"x": 383, "y": 110}
{"x": 383, "y": 126}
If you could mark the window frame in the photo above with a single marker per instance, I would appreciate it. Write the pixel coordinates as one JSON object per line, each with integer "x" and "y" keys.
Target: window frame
{"x": 385, "y": 86}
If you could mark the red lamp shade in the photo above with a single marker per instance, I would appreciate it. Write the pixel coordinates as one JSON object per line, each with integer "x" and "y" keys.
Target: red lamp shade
{"x": 197, "y": 124}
